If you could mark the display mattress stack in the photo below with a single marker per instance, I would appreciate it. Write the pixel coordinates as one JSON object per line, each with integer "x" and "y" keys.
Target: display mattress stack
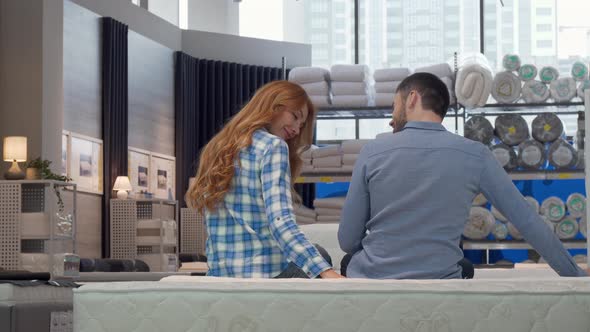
{"x": 315, "y": 81}
{"x": 327, "y": 158}
{"x": 386, "y": 82}
{"x": 350, "y": 85}
{"x": 329, "y": 210}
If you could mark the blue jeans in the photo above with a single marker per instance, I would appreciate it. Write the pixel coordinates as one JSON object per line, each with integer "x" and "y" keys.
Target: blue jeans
{"x": 293, "y": 271}
{"x": 466, "y": 266}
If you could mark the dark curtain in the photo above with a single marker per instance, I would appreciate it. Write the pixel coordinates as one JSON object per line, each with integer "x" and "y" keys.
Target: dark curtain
{"x": 208, "y": 93}
{"x": 186, "y": 96}
{"x": 115, "y": 114}
{"x": 307, "y": 193}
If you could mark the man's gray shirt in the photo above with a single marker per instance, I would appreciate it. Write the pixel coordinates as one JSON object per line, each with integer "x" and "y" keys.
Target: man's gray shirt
{"x": 410, "y": 197}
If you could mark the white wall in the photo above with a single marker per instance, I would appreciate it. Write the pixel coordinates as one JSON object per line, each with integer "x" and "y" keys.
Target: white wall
{"x": 82, "y": 71}
{"x": 32, "y": 78}
{"x": 251, "y": 51}
{"x": 166, "y": 9}
{"x": 262, "y": 19}
{"x": 293, "y": 21}
{"x": 220, "y": 16}
{"x": 151, "y": 95}
{"x": 52, "y": 82}
{"x": 280, "y": 20}
{"x": 138, "y": 20}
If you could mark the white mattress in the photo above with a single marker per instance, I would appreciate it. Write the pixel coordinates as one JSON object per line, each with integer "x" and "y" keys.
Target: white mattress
{"x": 220, "y": 304}
{"x": 326, "y": 235}
{"x": 18, "y": 294}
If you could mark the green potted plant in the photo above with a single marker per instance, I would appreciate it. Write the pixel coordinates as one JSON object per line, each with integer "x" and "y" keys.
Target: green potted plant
{"x": 35, "y": 168}
{"x": 39, "y": 169}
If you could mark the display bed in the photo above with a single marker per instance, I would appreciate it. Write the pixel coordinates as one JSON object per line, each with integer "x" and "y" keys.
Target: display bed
{"x": 35, "y": 308}
{"x": 495, "y": 303}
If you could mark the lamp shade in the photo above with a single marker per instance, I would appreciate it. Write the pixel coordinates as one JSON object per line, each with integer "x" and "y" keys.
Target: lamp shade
{"x": 15, "y": 148}
{"x": 122, "y": 183}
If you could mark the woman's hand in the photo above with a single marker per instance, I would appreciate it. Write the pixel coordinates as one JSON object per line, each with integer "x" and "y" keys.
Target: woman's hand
{"x": 330, "y": 274}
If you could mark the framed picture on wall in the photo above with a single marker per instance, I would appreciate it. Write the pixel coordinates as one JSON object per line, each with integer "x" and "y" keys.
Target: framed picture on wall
{"x": 162, "y": 176}
{"x": 85, "y": 162}
{"x": 139, "y": 167}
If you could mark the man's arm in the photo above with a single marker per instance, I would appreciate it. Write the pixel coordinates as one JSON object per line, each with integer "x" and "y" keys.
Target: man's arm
{"x": 497, "y": 186}
{"x": 356, "y": 211}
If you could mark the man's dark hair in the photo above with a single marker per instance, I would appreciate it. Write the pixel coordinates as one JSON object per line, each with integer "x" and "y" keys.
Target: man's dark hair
{"x": 433, "y": 91}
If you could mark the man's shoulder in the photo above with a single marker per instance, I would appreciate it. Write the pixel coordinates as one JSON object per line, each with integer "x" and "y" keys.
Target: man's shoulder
{"x": 468, "y": 146}
{"x": 446, "y": 140}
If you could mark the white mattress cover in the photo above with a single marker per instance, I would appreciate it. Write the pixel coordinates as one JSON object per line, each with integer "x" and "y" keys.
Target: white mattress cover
{"x": 531, "y": 285}
{"x": 42, "y": 293}
{"x": 224, "y": 304}
{"x": 326, "y": 235}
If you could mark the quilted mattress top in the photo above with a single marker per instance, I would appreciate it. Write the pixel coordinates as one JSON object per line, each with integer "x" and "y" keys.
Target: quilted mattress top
{"x": 488, "y": 286}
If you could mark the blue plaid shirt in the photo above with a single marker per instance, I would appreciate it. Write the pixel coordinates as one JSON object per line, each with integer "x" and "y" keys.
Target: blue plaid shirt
{"x": 253, "y": 232}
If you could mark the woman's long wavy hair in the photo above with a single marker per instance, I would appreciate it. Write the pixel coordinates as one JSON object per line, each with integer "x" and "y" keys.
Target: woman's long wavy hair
{"x": 218, "y": 157}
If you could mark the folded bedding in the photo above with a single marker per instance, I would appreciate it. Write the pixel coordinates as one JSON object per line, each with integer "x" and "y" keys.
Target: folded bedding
{"x": 326, "y": 151}
{"x": 349, "y": 73}
{"x": 331, "y": 202}
{"x": 391, "y": 74}
{"x": 303, "y": 75}
{"x": 353, "y": 146}
{"x": 384, "y": 99}
{"x": 350, "y": 100}
{"x": 386, "y": 87}
{"x": 350, "y": 88}
{"x": 317, "y": 88}
{"x": 440, "y": 70}
{"x": 330, "y": 161}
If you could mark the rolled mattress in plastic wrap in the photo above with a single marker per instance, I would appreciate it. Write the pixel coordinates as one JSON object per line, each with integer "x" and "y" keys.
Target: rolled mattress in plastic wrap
{"x": 479, "y": 129}
{"x": 576, "y": 205}
{"x": 480, "y": 223}
{"x": 512, "y": 129}
{"x": 553, "y": 208}
{"x": 562, "y": 155}
{"x": 531, "y": 155}
{"x": 505, "y": 155}
{"x": 547, "y": 127}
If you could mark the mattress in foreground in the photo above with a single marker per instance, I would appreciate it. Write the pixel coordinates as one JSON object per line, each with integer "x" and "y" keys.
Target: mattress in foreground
{"x": 10, "y": 293}
{"x": 220, "y": 304}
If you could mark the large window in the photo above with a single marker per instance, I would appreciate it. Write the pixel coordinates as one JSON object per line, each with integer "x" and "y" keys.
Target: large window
{"x": 414, "y": 33}
{"x": 339, "y": 18}
{"x": 544, "y": 28}
{"x": 544, "y": 11}
{"x": 549, "y": 32}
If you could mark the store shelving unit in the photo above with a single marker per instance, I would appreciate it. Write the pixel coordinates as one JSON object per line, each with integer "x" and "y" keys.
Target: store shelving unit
{"x": 138, "y": 232}
{"x": 460, "y": 113}
{"x": 35, "y": 221}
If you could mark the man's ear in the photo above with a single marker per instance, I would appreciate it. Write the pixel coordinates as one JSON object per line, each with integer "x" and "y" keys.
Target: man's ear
{"x": 412, "y": 99}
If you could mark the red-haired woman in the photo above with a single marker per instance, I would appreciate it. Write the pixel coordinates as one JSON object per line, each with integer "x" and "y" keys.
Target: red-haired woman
{"x": 243, "y": 185}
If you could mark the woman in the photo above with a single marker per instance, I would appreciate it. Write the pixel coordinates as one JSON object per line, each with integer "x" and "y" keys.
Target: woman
{"x": 243, "y": 185}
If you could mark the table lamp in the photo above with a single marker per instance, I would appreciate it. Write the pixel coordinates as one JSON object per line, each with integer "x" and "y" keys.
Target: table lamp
{"x": 15, "y": 151}
{"x": 122, "y": 186}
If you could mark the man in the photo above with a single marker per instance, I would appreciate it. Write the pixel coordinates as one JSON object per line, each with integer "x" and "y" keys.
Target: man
{"x": 411, "y": 193}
